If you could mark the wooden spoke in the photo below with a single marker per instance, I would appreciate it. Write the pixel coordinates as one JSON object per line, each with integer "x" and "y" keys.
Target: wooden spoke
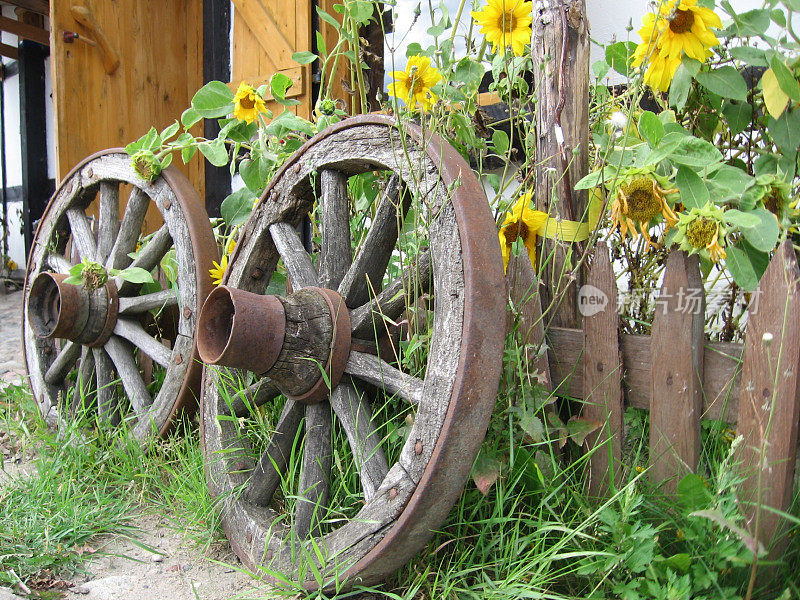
{"x": 336, "y": 254}
{"x": 129, "y": 230}
{"x": 82, "y": 236}
{"x": 135, "y": 305}
{"x": 108, "y": 219}
{"x": 122, "y": 356}
{"x": 254, "y": 395}
{"x": 63, "y": 363}
{"x": 83, "y": 382}
{"x": 295, "y": 258}
{"x": 314, "y": 487}
{"x": 391, "y": 302}
{"x": 107, "y": 407}
{"x": 364, "y": 277}
{"x": 59, "y": 263}
{"x": 266, "y": 476}
{"x": 149, "y": 257}
{"x": 373, "y": 370}
{"x": 135, "y": 333}
{"x": 355, "y": 415}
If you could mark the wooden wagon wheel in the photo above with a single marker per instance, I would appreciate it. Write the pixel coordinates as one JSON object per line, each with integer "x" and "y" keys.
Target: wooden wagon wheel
{"x": 282, "y": 453}
{"x": 91, "y": 351}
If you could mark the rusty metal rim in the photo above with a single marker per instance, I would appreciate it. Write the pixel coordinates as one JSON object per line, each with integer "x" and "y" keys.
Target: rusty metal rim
{"x": 70, "y": 318}
{"x": 204, "y": 249}
{"x": 340, "y": 348}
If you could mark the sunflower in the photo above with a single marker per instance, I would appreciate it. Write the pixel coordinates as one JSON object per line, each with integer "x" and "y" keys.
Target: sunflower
{"x": 217, "y": 271}
{"x": 679, "y": 26}
{"x": 506, "y": 23}
{"x": 413, "y": 85}
{"x": 521, "y": 222}
{"x": 702, "y": 231}
{"x": 637, "y": 203}
{"x": 776, "y": 195}
{"x": 247, "y": 104}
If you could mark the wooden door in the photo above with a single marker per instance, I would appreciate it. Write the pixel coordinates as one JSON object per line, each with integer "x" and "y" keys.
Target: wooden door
{"x": 159, "y": 44}
{"x": 265, "y": 35}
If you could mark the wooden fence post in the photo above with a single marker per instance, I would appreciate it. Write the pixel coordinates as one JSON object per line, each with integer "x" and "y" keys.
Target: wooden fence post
{"x": 676, "y": 395}
{"x": 561, "y": 74}
{"x": 602, "y": 369}
{"x": 769, "y": 405}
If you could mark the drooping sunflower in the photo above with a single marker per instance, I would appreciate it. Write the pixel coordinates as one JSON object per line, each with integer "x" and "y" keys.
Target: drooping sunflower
{"x": 506, "y": 23}
{"x": 217, "y": 271}
{"x": 679, "y": 26}
{"x": 637, "y": 202}
{"x": 523, "y": 222}
{"x": 702, "y": 231}
{"x": 247, "y": 104}
{"x": 776, "y": 195}
{"x": 413, "y": 86}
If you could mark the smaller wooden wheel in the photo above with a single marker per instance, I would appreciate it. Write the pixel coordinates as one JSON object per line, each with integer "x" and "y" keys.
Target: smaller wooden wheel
{"x": 336, "y": 449}
{"x": 117, "y": 350}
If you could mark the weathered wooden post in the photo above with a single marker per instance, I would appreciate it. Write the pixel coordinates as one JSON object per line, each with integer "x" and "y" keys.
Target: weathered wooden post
{"x": 560, "y": 49}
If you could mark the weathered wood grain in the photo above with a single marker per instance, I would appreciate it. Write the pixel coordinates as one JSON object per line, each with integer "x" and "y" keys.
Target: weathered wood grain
{"x": 365, "y": 277}
{"x": 377, "y": 372}
{"x": 266, "y": 476}
{"x": 58, "y": 263}
{"x": 602, "y": 375}
{"x": 122, "y": 356}
{"x": 82, "y": 236}
{"x": 677, "y": 372}
{"x": 63, "y": 363}
{"x": 295, "y": 258}
{"x": 253, "y": 396}
{"x": 354, "y": 413}
{"x": 135, "y": 334}
{"x": 134, "y": 305}
{"x": 769, "y": 406}
{"x": 314, "y": 487}
{"x": 129, "y": 230}
{"x": 336, "y": 255}
{"x": 108, "y": 409}
{"x": 107, "y": 220}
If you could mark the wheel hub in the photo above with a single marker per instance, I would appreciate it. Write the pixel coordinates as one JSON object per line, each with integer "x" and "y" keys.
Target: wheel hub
{"x": 62, "y": 310}
{"x": 301, "y": 342}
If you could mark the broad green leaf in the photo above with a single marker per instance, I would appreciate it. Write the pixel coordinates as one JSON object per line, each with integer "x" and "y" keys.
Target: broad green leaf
{"x": 746, "y": 264}
{"x": 215, "y": 152}
{"x": 694, "y": 152}
{"x": 236, "y": 208}
{"x": 213, "y": 100}
{"x": 668, "y": 144}
{"x": 600, "y": 69}
{"x": 328, "y": 19}
{"x": 579, "y": 427}
{"x": 694, "y": 193}
{"x": 753, "y": 23}
{"x": 250, "y": 170}
{"x": 651, "y": 128}
{"x": 500, "y": 141}
{"x": 592, "y": 180}
{"x": 726, "y": 82}
{"x": 680, "y": 87}
{"x": 170, "y": 131}
{"x": 775, "y": 98}
{"x": 304, "y": 58}
{"x": 136, "y": 275}
{"x": 681, "y": 562}
{"x": 741, "y": 219}
{"x": 485, "y": 472}
{"x": 754, "y": 57}
{"x": 322, "y": 47}
{"x": 765, "y": 235}
{"x": 360, "y": 10}
{"x": 729, "y": 182}
{"x": 188, "y": 152}
{"x": 785, "y": 77}
{"x": 618, "y": 56}
{"x": 738, "y": 114}
{"x": 279, "y": 83}
{"x": 470, "y": 73}
{"x": 785, "y": 131}
{"x": 693, "y": 493}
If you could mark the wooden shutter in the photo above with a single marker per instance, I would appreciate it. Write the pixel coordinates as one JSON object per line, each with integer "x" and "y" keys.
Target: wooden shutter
{"x": 265, "y": 35}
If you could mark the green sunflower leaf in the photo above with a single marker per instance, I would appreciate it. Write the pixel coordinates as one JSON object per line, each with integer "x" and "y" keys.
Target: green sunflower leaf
{"x": 746, "y": 264}
{"x": 694, "y": 193}
{"x": 213, "y": 100}
{"x": 726, "y": 82}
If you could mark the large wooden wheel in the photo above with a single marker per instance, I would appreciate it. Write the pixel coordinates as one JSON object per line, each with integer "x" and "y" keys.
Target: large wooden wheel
{"x": 346, "y": 485}
{"x": 121, "y": 351}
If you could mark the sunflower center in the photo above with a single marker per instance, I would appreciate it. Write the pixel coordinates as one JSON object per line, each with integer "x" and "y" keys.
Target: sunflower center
{"x": 248, "y": 103}
{"x": 701, "y": 232}
{"x": 643, "y": 204}
{"x": 514, "y": 231}
{"x": 682, "y": 21}
{"x": 506, "y": 22}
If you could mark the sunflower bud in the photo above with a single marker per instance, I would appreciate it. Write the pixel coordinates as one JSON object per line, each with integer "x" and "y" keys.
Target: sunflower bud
{"x": 93, "y": 275}
{"x": 702, "y": 231}
{"x": 146, "y": 165}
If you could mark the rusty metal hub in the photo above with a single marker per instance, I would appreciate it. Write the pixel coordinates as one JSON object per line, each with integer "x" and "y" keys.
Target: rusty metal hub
{"x": 61, "y": 310}
{"x": 249, "y": 331}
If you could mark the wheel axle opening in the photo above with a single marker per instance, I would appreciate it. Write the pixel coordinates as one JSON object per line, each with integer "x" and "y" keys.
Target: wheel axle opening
{"x": 57, "y": 309}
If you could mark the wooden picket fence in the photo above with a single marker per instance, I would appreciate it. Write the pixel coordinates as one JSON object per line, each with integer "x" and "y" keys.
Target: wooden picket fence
{"x": 681, "y": 377}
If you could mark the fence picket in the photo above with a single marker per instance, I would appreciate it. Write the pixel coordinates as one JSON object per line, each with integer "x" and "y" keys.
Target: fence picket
{"x": 602, "y": 371}
{"x": 677, "y": 372}
{"x": 524, "y": 292}
{"x": 769, "y": 405}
